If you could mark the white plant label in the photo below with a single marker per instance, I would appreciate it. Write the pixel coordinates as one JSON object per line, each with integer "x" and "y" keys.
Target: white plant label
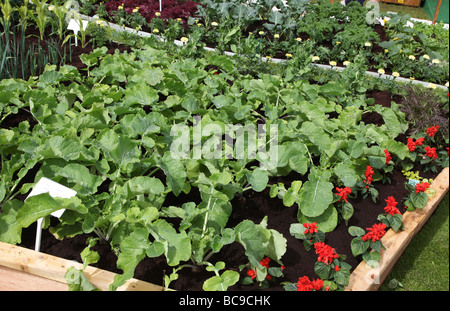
{"x": 75, "y": 26}
{"x": 55, "y": 190}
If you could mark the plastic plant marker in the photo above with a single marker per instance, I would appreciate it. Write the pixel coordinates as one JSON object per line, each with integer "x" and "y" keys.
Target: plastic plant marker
{"x": 75, "y": 26}
{"x": 54, "y": 189}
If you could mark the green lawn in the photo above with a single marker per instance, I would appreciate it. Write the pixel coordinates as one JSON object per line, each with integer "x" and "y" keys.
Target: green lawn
{"x": 424, "y": 266}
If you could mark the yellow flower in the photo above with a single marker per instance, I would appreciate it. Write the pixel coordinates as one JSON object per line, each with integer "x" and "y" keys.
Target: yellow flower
{"x": 184, "y": 39}
{"x": 367, "y": 44}
{"x": 381, "y": 71}
{"x": 250, "y": 33}
{"x": 411, "y": 57}
{"x": 156, "y": 30}
{"x": 276, "y": 35}
{"x": 51, "y": 7}
{"x": 179, "y": 19}
{"x": 386, "y": 51}
{"x": 199, "y": 25}
{"x": 346, "y": 63}
{"x": 333, "y": 63}
{"x": 288, "y": 55}
{"x": 299, "y": 39}
{"x": 426, "y": 56}
{"x": 395, "y": 39}
{"x": 214, "y": 24}
{"x": 261, "y": 32}
{"x": 435, "y": 61}
{"x": 431, "y": 85}
{"x": 411, "y": 78}
{"x": 120, "y": 7}
{"x": 158, "y": 14}
{"x": 268, "y": 57}
{"x": 338, "y": 42}
{"x": 135, "y": 10}
{"x": 315, "y": 58}
{"x": 396, "y": 74}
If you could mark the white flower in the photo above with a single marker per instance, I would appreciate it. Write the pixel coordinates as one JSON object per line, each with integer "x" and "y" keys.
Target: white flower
{"x": 214, "y": 24}
{"x": 261, "y": 32}
{"x": 346, "y": 63}
{"x": 435, "y": 61}
{"x": 299, "y": 39}
{"x": 184, "y": 39}
{"x": 333, "y": 63}
{"x": 411, "y": 57}
{"x": 431, "y": 85}
{"x": 276, "y": 35}
{"x": 426, "y": 56}
{"x": 51, "y": 7}
{"x": 315, "y": 58}
{"x": 396, "y": 74}
{"x": 367, "y": 44}
{"x": 135, "y": 10}
{"x": 381, "y": 71}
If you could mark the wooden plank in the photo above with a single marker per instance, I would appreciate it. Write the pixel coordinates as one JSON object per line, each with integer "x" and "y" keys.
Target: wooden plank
{"x": 54, "y": 268}
{"x": 15, "y": 280}
{"x": 366, "y": 278}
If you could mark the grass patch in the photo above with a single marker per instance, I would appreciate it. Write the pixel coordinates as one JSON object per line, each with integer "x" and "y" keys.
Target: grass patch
{"x": 424, "y": 266}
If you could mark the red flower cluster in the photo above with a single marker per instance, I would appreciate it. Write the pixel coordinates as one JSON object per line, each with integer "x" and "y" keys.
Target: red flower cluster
{"x": 391, "y": 207}
{"x": 376, "y": 232}
{"x": 431, "y": 152}
{"x": 422, "y": 187}
{"x": 326, "y": 253}
{"x": 305, "y": 284}
{"x": 343, "y": 192}
{"x": 412, "y": 145}
{"x": 369, "y": 175}
{"x": 388, "y": 156}
{"x": 265, "y": 263}
{"x": 431, "y": 131}
{"x": 310, "y": 228}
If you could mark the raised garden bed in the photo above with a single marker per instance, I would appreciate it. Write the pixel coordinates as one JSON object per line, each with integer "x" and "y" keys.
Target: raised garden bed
{"x": 25, "y": 269}
{"x": 102, "y": 101}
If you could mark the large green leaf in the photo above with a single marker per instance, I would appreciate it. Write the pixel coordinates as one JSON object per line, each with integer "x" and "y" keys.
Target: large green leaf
{"x": 132, "y": 251}
{"x": 258, "y": 179}
{"x": 42, "y": 205}
{"x": 10, "y": 229}
{"x": 144, "y": 185}
{"x": 316, "y": 194}
{"x": 175, "y": 172}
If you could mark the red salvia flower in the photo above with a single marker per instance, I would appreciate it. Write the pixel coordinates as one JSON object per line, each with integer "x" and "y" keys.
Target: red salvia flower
{"x": 391, "y": 207}
{"x": 411, "y": 145}
{"x": 326, "y": 253}
{"x": 431, "y": 152}
{"x": 305, "y": 284}
{"x": 431, "y": 131}
{"x": 422, "y": 187}
{"x": 369, "y": 175}
{"x": 252, "y": 273}
{"x": 376, "y": 232}
{"x": 388, "y": 156}
{"x": 310, "y": 228}
{"x": 336, "y": 268}
{"x": 265, "y": 262}
{"x": 419, "y": 141}
{"x": 343, "y": 192}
